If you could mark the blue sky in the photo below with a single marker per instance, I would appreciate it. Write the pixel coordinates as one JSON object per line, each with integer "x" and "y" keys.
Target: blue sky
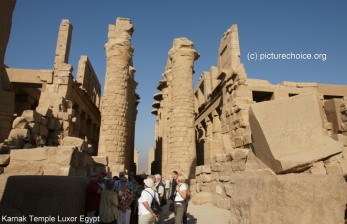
{"x": 284, "y": 27}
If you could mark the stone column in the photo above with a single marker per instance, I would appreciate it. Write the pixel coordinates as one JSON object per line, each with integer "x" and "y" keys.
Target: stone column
{"x": 132, "y": 97}
{"x": 115, "y": 110}
{"x": 7, "y": 96}
{"x": 182, "y": 133}
{"x": 165, "y": 128}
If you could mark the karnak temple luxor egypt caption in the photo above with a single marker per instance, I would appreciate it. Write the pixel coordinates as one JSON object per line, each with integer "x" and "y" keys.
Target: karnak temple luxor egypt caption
{"x": 268, "y": 153}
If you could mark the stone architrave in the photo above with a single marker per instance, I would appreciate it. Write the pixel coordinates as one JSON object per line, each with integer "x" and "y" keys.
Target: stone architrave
{"x": 115, "y": 120}
{"x": 288, "y": 133}
{"x": 182, "y": 131}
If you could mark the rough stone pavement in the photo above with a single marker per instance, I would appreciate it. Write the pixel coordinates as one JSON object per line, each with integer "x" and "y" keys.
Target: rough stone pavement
{"x": 200, "y": 214}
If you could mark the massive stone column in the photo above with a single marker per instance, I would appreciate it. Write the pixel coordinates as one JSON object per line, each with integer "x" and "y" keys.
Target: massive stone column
{"x": 115, "y": 119}
{"x": 7, "y": 96}
{"x": 166, "y": 88}
{"x": 132, "y": 104}
{"x": 182, "y": 134}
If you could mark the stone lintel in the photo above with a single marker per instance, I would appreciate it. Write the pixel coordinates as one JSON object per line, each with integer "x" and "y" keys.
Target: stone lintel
{"x": 29, "y": 76}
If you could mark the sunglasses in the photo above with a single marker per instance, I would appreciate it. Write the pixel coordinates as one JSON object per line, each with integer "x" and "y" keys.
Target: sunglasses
{"x": 94, "y": 176}
{"x": 123, "y": 181}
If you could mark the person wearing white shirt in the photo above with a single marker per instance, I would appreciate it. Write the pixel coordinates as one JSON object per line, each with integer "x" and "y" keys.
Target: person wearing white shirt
{"x": 180, "y": 199}
{"x": 146, "y": 214}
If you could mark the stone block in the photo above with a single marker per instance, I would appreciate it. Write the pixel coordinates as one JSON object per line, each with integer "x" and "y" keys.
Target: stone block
{"x": 225, "y": 167}
{"x": 229, "y": 189}
{"x": 221, "y": 157}
{"x": 88, "y": 160}
{"x": 43, "y": 131}
{"x": 238, "y": 141}
{"x": 76, "y": 142}
{"x": 292, "y": 198}
{"x": 341, "y": 138}
{"x": 202, "y": 198}
{"x": 63, "y": 116}
{"x": 44, "y": 121}
{"x": 101, "y": 160}
{"x": 66, "y": 125}
{"x": 90, "y": 149}
{"x": 343, "y": 167}
{"x": 241, "y": 154}
{"x": 51, "y": 123}
{"x": 198, "y": 178}
{"x": 20, "y": 123}
{"x": 34, "y": 127}
{"x": 19, "y": 134}
{"x": 288, "y": 133}
{"x": 215, "y": 176}
{"x": 335, "y": 158}
{"x": 205, "y": 187}
{"x": 4, "y": 159}
{"x": 42, "y": 201}
{"x": 32, "y": 116}
{"x": 215, "y": 167}
{"x": 75, "y": 157}
{"x": 58, "y": 125}
{"x": 71, "y": 112}
{"x": 224, "y": 178}
{"x": 39, "y": 161}
{"x": 247, "y": 139}
{"x": 205, "y": 178}
{"x": 238, "y": 165}
{"x": 100, "y": 168}
{"x": 198, "y": 170}
{"x": 80, "y": 160}
{"x": 206, "y": 169}
{"x": 333, "y": 168}
{"x": 44, "y": 111}
{"x": 318, "y": 168}
{"x": 28, "y": 146}
{"x": 231, "y": 155}
{"x": 81, "y": 172}
{"x": 15, "y": 143}
{"x": 4, "y": 149}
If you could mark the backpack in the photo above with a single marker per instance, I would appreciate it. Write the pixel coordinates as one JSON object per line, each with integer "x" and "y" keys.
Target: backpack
{"x": 154, "y": 205}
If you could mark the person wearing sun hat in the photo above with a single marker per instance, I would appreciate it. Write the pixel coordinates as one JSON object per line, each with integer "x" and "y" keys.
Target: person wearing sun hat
{"x": 146, "y": 214}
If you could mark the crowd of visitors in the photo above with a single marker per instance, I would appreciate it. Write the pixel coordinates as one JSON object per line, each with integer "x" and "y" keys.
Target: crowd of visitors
{"x": 136, "y": 199}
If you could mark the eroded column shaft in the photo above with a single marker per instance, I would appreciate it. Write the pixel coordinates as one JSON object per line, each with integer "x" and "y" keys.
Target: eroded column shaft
{"x": 182, "y": 133}
{"x": 115, "y": 120}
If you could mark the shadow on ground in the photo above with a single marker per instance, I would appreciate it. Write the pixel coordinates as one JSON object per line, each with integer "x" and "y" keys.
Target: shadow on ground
{"x": 169, "y": 216}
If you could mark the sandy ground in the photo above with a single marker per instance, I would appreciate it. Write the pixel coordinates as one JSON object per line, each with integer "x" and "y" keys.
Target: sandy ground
{"x": 201, "y": 214}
